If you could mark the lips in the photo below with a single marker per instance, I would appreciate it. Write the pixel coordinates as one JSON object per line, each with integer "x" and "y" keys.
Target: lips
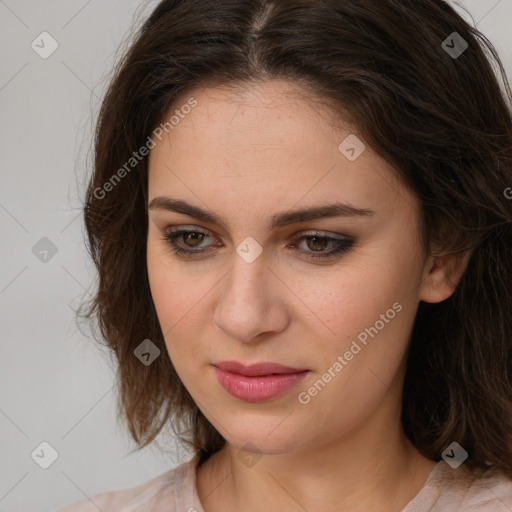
{"x": 257, "y": 369}
{"x": 257, "y": 382}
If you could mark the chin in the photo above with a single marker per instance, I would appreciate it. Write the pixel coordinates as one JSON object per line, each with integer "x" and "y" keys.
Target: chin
{"x": 266, "y": 439}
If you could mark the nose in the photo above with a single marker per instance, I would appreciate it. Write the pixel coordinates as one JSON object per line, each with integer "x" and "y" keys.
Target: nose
{"x": 252, "y": 302}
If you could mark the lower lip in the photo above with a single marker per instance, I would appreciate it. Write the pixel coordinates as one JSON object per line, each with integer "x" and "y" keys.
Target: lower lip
{"x": 257, "y": 389}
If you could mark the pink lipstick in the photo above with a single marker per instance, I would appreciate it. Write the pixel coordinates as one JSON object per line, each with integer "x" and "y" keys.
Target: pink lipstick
{"x": 257, "y": 382}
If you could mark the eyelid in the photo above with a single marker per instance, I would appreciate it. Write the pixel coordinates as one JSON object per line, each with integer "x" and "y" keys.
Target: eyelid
{"x": 188, "y": 228}
{"x": 311, "y": 232}
{"x": 342, "y": 244}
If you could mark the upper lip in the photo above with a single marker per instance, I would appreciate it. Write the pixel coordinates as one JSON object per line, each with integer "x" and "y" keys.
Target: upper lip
{"x": 256, "y": 369}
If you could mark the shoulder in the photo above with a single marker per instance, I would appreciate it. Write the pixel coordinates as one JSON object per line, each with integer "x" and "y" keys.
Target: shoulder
{"x": 157, "y": 494}
{"x": 476, "y": 490}
{"x": 490, "y": 490}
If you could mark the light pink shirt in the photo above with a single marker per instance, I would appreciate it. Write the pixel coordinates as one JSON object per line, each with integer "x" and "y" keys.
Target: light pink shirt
{"x": 445, "y": 490}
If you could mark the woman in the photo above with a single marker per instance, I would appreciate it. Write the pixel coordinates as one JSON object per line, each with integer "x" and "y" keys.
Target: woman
{"x": 300, "y": 219}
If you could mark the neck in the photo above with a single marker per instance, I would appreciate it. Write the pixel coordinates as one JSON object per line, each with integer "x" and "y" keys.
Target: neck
{"x": 368, "y": 468}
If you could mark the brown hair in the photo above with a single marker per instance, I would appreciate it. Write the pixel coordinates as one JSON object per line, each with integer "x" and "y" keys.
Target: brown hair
{"x": 442, "y": 120}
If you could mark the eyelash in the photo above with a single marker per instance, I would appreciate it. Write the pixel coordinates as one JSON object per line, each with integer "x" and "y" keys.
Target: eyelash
{"x": 343, "y": 244}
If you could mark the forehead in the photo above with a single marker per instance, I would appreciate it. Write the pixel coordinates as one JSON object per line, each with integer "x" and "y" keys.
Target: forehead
{"x": 263, "y": 115}
{"x": 268, "y": 143}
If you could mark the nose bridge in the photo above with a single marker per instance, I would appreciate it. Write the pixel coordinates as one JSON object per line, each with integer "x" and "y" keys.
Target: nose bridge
{"x": 244, "y": 309}
{"x": 247, "y": 280}
{"x": 250, "y": 265}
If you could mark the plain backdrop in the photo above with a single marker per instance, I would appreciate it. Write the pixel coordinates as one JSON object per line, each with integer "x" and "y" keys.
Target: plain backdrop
{"x": 56, "y": 384}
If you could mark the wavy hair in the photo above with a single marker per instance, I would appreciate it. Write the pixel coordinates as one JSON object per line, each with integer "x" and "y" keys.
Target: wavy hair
{"x": 443, "y": 120}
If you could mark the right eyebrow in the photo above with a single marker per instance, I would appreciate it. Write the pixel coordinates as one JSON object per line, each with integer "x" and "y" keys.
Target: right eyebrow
{"x": 278, "y": 220}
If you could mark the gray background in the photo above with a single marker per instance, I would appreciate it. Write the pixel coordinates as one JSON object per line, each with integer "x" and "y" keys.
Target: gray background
{"x": 55, "y": 383}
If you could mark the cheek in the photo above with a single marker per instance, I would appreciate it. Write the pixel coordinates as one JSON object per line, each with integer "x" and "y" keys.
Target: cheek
{"x": 342, "y": 302}
{"x": 367, "y": 310}
{"x": 177, "y": 300}
{"x": 171, "y": 291}
{"x": 166, "y": 289}
{"x": 371, "y": 351}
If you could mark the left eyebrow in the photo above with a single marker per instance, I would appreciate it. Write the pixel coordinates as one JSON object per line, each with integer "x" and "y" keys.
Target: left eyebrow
{"x": 278, "y": 220}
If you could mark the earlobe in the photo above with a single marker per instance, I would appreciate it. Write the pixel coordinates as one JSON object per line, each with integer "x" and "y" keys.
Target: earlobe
{"x": 442, "y": 275}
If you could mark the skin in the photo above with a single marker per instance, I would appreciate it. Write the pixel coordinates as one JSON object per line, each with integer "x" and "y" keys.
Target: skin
{"x": 246, "y": 157}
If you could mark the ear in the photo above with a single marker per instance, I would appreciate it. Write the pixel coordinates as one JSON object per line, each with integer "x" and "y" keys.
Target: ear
{"x": 442, "y": 275}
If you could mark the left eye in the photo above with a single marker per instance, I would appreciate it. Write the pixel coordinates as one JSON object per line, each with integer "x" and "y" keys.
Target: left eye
{"x": 315, "y": 241}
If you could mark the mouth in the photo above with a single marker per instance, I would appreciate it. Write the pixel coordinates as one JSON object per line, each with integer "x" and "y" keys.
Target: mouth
{"x": 258, "y": 382}
{"x": 257, "y": 369}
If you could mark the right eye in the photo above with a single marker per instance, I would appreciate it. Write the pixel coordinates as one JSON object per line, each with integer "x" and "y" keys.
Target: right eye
{"x": 188, "y": 236}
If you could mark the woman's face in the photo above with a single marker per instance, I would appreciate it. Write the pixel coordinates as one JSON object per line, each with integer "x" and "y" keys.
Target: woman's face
{"x": 263, "y": 293}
